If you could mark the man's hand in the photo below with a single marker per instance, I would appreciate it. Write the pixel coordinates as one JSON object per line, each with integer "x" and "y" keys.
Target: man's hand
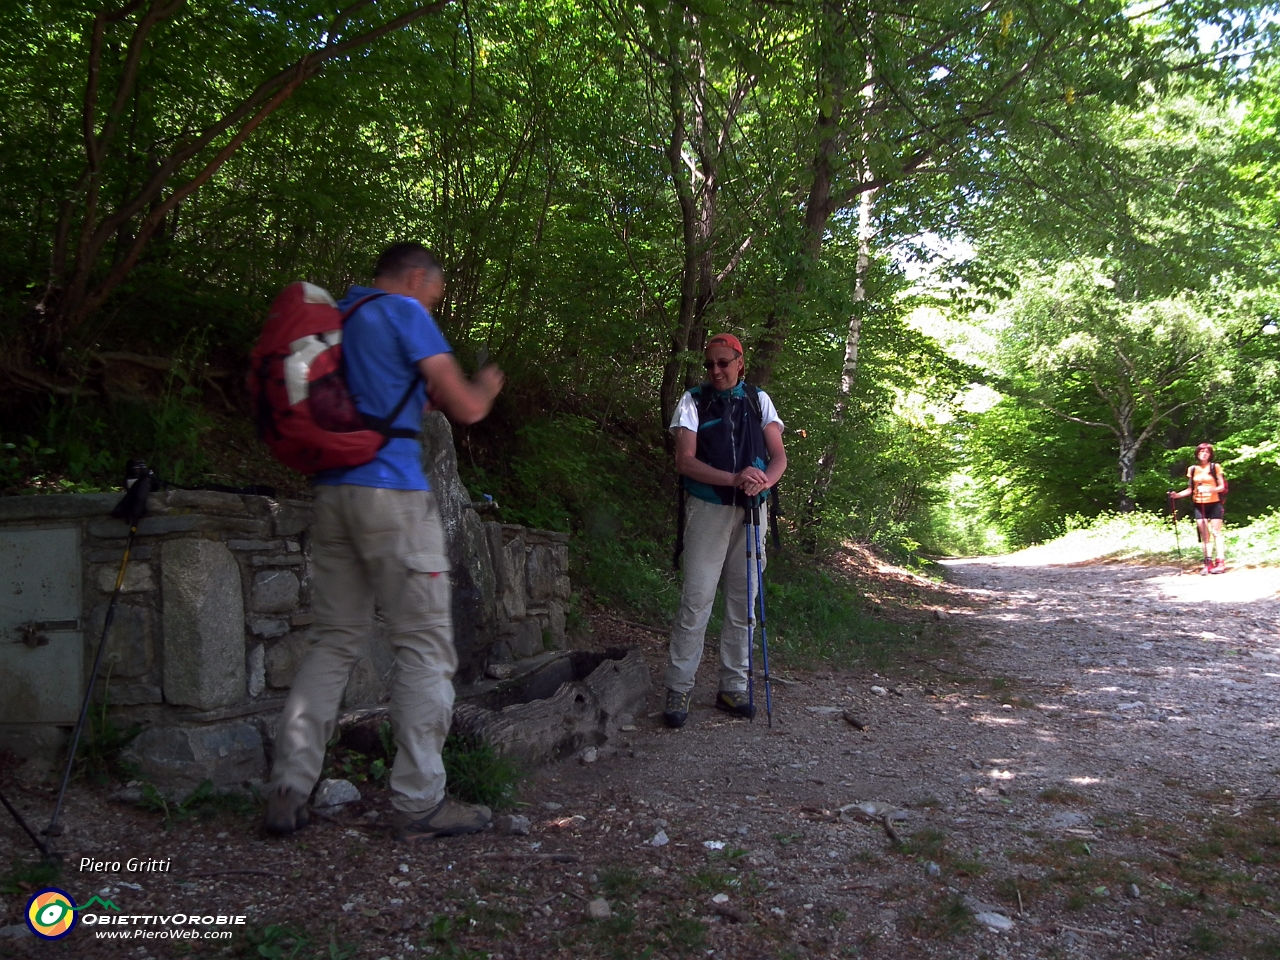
{"x": 489, "y": 379}
{"x": 462, "y": 400}
{"x": 751, "y": 481}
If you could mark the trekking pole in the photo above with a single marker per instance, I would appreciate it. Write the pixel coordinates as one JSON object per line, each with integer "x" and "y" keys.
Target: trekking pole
{"x": 132, "y": 508}
{"x": 751, "y": 619}
{"x": 1177, "y": 538}
{"x": 764, "y": 627}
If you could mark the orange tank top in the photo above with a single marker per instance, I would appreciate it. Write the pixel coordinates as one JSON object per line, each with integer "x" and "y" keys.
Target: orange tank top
{"x": 1204, "y": 484}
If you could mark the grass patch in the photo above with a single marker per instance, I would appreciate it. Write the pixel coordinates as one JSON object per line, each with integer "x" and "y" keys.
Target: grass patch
{"x": 622, "y": 883}
{"x": 101, "y": 743}
{"x": 280, "y": 941}
{"x": 946, "y": 917}
{"x": 1203, "y": 939}
{"x": 441, "y": 931}
{"x": 25, "y": 878}
{"x": 815, "y": 618}
{"x": 203, "y": 802}
{"x": 1149, "y": 536}
{"x": 477, "y": 773}
{"x": 928, "y": 843}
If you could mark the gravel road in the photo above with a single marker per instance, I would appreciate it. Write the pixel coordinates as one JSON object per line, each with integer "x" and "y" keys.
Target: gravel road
{"x": 1073, "y": 760}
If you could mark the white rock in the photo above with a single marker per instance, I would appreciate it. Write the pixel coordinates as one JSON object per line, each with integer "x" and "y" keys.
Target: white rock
{"x": 334, "y": 793}
{"x": 875, "y": 809}
{"x": 589, "y": 755}
{"x": 660, "y": 839}
{"x": 880, "y": 691}
{"x": 720, "y": 898}
{"x": 513, "y": 825}
{"x": 598, "y": 909}
{"x": 994, "y": 921}
{"x": 713, "y": 844}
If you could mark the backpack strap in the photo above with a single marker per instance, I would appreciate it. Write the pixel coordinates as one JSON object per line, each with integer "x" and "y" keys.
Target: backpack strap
{"x": 382, "y": 424}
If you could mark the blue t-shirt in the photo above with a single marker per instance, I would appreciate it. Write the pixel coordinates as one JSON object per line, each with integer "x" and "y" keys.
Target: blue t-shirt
{"x": 382, "y": 343}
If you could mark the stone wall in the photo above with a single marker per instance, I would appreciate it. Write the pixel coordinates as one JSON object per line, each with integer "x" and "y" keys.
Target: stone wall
{"x": 214, "y": 618}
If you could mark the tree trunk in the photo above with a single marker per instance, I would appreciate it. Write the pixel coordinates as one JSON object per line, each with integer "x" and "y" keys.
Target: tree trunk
{"x": 1129, "y": 447}
{"x": 812, "y": 514}
{"x": 827, "y": 462}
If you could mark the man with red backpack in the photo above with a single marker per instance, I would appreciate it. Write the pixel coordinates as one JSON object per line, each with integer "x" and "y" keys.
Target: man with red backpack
{"x": 378, "y": 539}
{"x": 1207, "y": 487}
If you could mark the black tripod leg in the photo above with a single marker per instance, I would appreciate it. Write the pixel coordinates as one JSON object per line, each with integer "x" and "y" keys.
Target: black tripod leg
{"x": 52, "y": 830}
{"x": 40, "y": 844}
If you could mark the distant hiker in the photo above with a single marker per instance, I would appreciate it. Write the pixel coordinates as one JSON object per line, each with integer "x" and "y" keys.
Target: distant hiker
{"x": 728, "y": 452}
{"x": 377, "y": 538}
{"x": 1207, "y": 487}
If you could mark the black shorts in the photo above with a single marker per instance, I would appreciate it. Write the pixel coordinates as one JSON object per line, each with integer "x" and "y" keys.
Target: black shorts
{"x": 1208, "y": 511}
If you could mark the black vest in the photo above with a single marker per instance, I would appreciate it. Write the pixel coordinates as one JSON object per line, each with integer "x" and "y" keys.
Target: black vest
{"x": 730, "y": 438}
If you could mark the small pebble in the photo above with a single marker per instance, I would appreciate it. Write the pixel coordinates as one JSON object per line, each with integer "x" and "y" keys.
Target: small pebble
{"x": 598, "y": 909}
{"x": 932, "y": 869}
{"x": 660, "y": 839}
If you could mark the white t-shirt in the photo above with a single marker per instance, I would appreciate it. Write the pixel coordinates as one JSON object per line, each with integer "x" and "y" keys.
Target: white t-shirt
{"x": 686, "y": 414}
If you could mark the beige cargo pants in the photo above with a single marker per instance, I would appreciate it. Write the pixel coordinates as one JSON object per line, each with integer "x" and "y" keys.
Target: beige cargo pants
{"x": 715, "y": 553}
{"x": 386, "y": 546}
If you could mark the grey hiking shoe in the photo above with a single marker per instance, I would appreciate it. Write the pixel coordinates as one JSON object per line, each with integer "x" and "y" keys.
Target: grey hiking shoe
{"x": 736, "y": 703}
{"x": 286, "y": 810}
{"x": 450, "y": 818}
{"x": 677, "y": 709}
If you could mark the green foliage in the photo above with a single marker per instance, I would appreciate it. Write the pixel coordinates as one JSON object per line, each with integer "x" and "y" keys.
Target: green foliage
{"x": 441, "y": 930}
{"x": 280, "y": 941}
{"x": 24, "y": 878}
{"x": 203, "y": 802}
{"x": 815, "y": 618}
{"x": 477, "y": 773}
{"x": 102, "y": 742}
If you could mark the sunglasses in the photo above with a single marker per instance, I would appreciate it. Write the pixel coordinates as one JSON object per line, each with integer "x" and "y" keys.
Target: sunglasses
{"x": 718, "y": 364}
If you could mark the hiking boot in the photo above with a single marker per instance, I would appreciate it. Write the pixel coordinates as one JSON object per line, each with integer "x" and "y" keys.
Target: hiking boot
{"x": 1219, "y": 566}
{"x": 1208, "y": 568}
{"x": 735, "y": 702}
{"x": 450, "y": 818}
{"x": 677, "y": 710}
{"x": 286, "y": 810}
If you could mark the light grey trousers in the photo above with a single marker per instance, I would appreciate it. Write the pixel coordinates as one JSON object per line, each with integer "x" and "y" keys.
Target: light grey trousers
{"x": 715, "y": 553}
{"x": 385, "y": 546}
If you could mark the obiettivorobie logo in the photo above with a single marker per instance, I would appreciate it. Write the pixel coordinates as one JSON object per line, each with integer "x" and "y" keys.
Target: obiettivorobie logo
{"x": 52, "y": 914}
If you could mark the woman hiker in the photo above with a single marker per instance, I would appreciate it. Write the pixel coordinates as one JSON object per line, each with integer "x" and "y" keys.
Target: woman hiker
{"x": 1207, "y": 487}
{"x": 728, "y": 439}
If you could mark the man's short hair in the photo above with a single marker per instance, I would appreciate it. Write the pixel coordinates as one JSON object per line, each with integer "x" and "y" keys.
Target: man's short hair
{"x": 399, "y": 258}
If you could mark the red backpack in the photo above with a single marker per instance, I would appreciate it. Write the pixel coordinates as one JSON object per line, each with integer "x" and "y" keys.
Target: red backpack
{"x": 305, "y": 411}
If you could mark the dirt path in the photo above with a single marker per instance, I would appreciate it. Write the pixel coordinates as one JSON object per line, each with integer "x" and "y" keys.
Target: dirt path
{"x": 1077, "y": 764}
